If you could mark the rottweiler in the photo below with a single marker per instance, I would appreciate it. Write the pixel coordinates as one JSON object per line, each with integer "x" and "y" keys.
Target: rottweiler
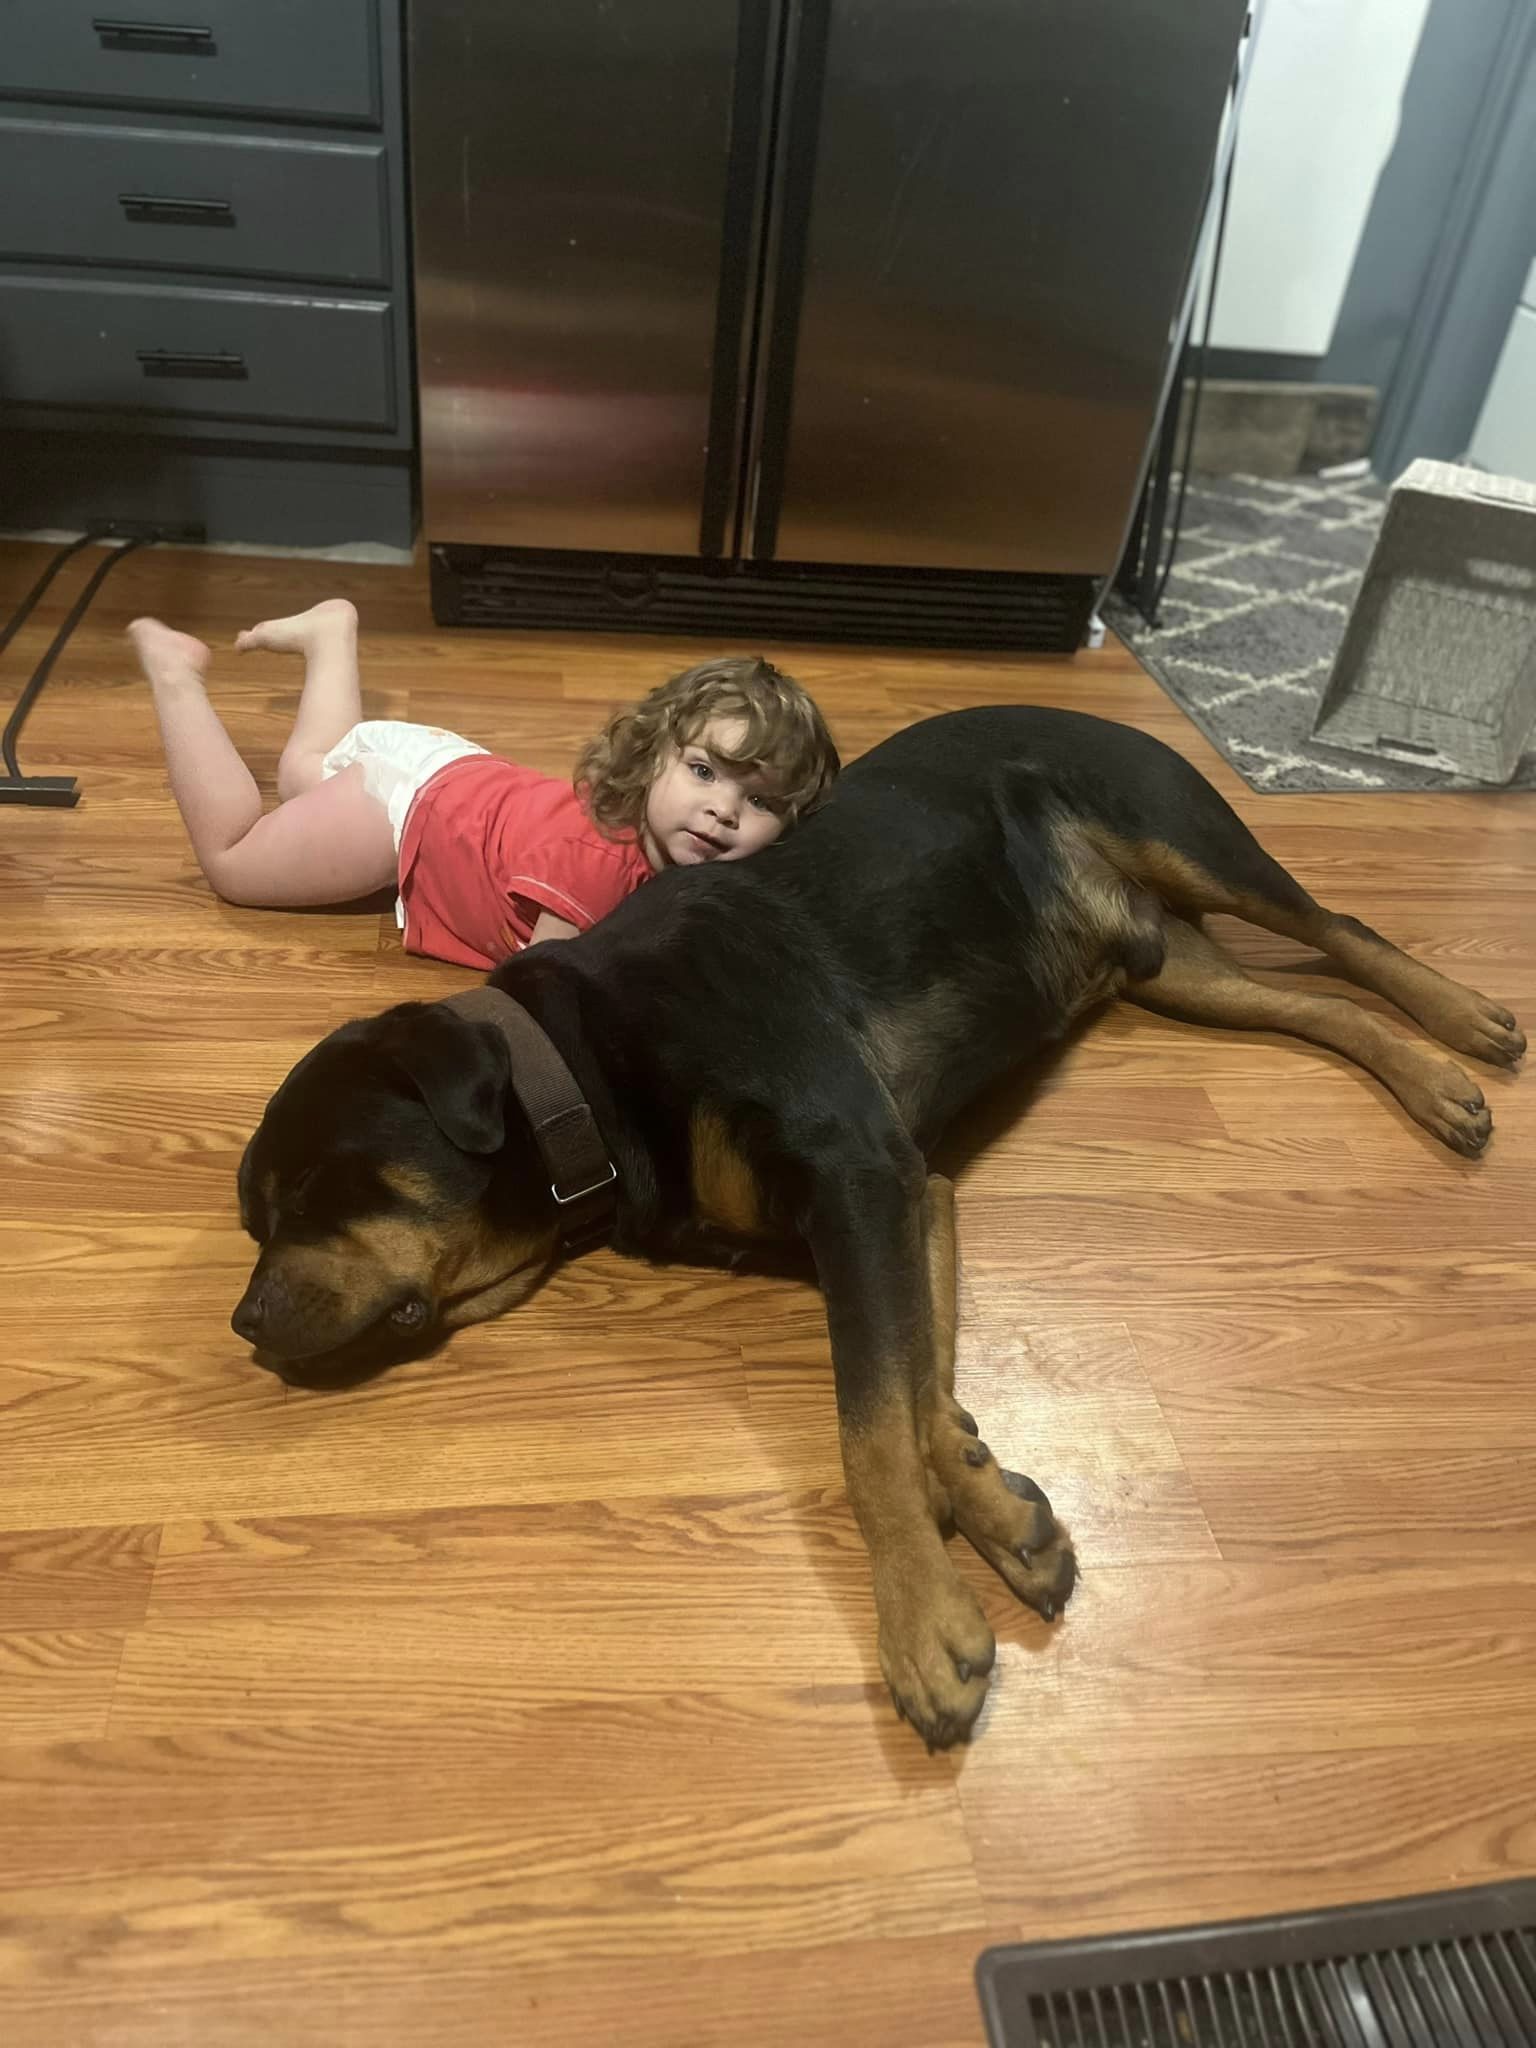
{"x": 769, "y": 1049}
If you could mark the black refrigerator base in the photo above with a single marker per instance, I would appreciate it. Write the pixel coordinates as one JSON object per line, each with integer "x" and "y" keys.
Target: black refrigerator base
{"x": 544, "y": 590}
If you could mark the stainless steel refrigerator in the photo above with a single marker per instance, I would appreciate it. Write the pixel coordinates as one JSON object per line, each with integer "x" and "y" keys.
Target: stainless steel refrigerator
{"x": 827, "y": 318}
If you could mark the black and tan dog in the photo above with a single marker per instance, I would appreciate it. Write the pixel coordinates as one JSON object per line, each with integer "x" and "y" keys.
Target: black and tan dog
{"x": 769, "y": 1049}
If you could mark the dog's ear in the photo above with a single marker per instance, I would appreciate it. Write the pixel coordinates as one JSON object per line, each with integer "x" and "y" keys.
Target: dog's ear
{"x": 462, "y": 1071}
{"x": 252, "y": 1222}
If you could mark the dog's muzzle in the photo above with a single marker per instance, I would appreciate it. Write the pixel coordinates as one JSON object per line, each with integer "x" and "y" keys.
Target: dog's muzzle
{"x": 271, "y": 1320}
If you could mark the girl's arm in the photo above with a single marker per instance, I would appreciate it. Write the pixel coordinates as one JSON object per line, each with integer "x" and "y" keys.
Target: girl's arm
{"x": 548, "y": 926}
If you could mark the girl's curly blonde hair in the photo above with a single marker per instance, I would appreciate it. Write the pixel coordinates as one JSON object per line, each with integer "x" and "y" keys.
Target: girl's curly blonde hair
{"x": 785, "y": 738}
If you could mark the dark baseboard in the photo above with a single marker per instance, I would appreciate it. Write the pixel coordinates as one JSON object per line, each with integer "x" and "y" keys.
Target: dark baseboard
{"x": 1261, "y": 366}
{"x": 261, "y": 493}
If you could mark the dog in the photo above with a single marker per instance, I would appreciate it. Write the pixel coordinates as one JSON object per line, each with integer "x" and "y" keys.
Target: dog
{"x": 768, "y": 1050}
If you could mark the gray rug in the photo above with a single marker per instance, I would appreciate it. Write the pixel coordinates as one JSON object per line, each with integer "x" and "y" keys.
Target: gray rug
{"x": 1261, "y": 590}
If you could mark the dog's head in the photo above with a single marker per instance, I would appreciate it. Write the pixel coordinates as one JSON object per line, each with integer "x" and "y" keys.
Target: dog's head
{"x": 394, "y": 1189}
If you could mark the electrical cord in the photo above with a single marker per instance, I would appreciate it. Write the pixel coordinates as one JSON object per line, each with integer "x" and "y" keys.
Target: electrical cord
{"x": 50, "y": 789}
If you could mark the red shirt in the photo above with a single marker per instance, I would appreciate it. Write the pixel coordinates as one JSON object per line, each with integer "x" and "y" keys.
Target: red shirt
{"x": 488, "y": 845}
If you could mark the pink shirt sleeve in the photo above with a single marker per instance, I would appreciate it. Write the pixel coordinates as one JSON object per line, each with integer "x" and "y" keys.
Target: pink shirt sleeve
{"x": 579, "y": 879}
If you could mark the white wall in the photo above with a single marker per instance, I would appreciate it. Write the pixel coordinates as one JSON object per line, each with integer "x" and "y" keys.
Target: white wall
{"x": 1505, "y": 437}
{"x": 1318, "y": 122}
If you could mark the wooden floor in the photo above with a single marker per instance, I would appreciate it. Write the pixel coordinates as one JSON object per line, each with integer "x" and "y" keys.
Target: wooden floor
{"x": 529, "y": 1696}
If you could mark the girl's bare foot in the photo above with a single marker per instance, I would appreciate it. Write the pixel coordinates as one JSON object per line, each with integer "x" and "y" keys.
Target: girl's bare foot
{"x": 163, "y": 652}
{"x": 333, "y": 617}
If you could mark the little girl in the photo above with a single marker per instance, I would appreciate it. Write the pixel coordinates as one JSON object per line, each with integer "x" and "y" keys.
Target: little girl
{"x": 487, "y": 856}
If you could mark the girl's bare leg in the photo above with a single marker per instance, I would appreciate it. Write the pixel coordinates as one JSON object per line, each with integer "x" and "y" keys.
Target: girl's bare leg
{"x": 332, "y": 844}
{"x": 214, "y": 790}
{"x": 326, "y": 636}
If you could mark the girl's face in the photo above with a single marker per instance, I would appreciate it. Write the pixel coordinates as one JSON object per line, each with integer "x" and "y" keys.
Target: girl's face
{"x": 700, "y": 807}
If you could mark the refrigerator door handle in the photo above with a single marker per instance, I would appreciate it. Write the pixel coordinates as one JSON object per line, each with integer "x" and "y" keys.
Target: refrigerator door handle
{"x": 796, "y": 129}
{"x": 754, "y": 98}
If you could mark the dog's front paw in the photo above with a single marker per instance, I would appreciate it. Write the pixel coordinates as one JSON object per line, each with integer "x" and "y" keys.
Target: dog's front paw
{"x": 1043, "y": 1575}
{"x": 1003, "y": 1515}
{"x": 936, "y": 1649}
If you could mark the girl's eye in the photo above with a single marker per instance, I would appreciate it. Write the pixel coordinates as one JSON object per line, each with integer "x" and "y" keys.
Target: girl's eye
{"x": 703, "y": 770}
{"x": 763, "y": 804}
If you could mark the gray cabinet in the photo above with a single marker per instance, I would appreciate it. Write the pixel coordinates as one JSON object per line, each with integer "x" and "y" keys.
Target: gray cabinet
{"x": 228, "y": 205}
{"x": 204, "y": 289}
{"x": 316, "y": 59}
{"x": 183, "y": 351}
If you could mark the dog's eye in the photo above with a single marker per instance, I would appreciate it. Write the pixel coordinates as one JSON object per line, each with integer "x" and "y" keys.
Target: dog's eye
{"x": 295, "y": 1197}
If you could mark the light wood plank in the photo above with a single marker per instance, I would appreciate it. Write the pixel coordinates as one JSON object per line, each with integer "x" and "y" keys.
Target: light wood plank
{"x": 529, "y": 1693}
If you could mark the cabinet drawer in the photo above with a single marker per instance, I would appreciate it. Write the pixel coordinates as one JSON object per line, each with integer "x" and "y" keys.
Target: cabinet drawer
{"x": 196, "y": 354}
{"x": 310, "y": 58}
{"x": 180, "y": 201}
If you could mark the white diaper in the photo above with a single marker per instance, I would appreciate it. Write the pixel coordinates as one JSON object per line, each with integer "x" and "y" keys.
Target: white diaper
{"x": 397, "y": 760}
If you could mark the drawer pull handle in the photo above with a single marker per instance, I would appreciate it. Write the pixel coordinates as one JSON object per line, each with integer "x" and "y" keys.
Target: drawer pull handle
{"x": 145, "y": 206}
{"x": 178, "y": 362}
{"x": 152, "y": 35}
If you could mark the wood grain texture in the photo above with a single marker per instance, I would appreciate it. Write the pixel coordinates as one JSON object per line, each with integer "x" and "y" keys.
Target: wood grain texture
{"x": 529, "y": 1693}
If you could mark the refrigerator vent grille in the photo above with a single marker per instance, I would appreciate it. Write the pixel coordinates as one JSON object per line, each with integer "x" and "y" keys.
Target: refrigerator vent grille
{"x": 539, "y": 590}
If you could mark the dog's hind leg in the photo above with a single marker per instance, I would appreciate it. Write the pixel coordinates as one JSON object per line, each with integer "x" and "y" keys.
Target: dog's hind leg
{"x": 1201, "y": 984}
{"x": 1209, "y": 861}
{"x": 1459, "y": 1017}
{"x": 1001, "y": 1514}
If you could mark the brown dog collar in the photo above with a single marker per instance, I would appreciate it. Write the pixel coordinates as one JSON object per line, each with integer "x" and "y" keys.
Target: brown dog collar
{"x": 582, "y": 1177}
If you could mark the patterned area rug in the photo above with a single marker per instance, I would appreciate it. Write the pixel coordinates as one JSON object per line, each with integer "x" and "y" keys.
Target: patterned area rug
{"x": 1261, "y": 590}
